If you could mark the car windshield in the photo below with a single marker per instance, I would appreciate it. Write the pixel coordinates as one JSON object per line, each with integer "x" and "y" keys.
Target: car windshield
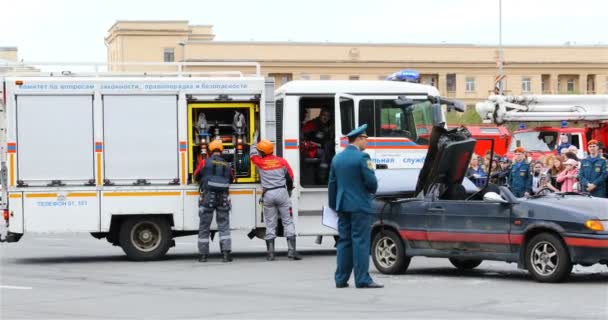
{"x": 543, "y": 141}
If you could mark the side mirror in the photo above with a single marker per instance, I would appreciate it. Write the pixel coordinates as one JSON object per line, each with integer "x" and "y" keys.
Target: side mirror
{"x": 404, "y": 101}
{"x": 453, "y": 105}
{"x": 494, "y": 197}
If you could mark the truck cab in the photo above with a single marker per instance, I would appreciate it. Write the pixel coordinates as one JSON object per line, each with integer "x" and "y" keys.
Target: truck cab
{"x": 398, "y": 116}
{"x": 542, "y": 141}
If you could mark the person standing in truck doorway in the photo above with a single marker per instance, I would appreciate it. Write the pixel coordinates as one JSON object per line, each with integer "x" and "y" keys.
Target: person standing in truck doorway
{"x": 277, "y": 183}
{"x": 214, "y": 175}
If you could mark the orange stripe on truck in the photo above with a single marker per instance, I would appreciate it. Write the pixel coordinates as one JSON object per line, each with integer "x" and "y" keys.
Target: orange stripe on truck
{"x": 55, "y": 195}
{"x": 11, "y": 164}
{"x": 142, "y": 194}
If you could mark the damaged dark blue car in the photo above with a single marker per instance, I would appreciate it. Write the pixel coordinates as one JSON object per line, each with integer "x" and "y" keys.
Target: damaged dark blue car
{"x": 545, "y": 234}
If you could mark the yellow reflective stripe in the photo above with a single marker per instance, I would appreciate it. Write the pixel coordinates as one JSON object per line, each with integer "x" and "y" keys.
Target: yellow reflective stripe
{"x": 141, "y": 194}
{"x": 183, "y": 154}
{"x": 82, "y": 194}
{"x": 11, "y": 165}
{"x": 232, "y": 192}
{"x": 241, "y": 192}
{"x": 55, "y": 195}
{"x": 15, "y": 195}
{"x": 99, "y": 168}
{"x": 41, "y": 195}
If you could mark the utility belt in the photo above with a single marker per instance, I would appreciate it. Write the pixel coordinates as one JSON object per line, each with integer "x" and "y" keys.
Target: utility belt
{"x": 274, "y": 188}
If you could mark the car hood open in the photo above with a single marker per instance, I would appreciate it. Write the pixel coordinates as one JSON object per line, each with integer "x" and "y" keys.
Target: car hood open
{"x": 447, "y": 159}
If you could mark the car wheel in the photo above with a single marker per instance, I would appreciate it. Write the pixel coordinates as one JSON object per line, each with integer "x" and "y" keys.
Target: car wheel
{"x": 465, "y": 264}
{"x": 145, "y": 238}
{"x": 388, "y": 253}
{"x": 547, "y": 259}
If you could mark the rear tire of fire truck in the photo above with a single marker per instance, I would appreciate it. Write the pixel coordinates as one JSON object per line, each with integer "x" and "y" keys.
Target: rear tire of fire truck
{"x": 145, "y": 238}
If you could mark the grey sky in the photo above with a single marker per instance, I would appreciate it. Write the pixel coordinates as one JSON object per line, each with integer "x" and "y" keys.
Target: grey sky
{"x": 73, "y": 30}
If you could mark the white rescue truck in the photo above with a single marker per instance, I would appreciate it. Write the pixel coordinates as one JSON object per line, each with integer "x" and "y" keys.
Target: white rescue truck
{"x": 112, "y": 154}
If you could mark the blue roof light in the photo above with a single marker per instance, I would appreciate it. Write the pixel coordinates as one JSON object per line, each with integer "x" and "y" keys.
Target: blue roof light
{"x": 522, "y": 126}
{"x": 564, "y": 124}
{"x": 407, "y": 75}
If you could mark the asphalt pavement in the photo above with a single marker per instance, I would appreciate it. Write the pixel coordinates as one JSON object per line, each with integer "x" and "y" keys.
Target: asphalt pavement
{"x": 67, "y": 276}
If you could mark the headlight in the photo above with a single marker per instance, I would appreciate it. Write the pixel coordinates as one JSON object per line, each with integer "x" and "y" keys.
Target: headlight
{"x": 597, "y": 225}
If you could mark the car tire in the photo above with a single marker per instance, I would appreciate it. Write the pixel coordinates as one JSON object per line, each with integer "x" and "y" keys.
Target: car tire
{"x": 145, "y": 238}
{"x": 547, "y": 259}
{"x": 388, "y": 253}
{"x": 465, "y": 264}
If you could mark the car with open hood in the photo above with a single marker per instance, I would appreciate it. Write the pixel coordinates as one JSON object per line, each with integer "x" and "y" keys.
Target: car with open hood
{"x": 545, "y": 234}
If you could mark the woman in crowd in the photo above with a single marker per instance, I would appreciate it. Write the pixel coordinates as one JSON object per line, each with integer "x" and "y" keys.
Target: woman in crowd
{"x": 569, "y": 176}
{"x": 539, "y": 177}
{"x": 555, "y": 168}
{"x": 476, "y": 172}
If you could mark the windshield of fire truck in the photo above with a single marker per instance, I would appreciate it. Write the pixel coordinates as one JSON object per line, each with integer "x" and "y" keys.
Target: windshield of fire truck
{"x": 542, "y": 141}
{"x": 412, "y": 121}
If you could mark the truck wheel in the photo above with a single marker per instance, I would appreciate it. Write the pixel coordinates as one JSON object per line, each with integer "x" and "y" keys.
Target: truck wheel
{"x": 145, "y": 238}
{"x": 465, "y": 264}
{"x": 388, "y": 253}
{"x": 547, "y": 259}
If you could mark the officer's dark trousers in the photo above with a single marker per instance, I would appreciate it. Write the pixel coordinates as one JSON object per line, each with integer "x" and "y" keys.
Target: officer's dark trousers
{"x": 353, "y": 247}
{"x": 219, "y": 203}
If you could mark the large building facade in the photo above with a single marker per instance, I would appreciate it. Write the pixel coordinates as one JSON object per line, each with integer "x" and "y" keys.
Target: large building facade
{"x": 465, "y": 72}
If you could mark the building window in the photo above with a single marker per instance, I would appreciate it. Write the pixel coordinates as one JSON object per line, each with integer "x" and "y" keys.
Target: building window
{"x": 526, "y": 85}
{"x": 353, "y": 77}
{"x": 450, "y": 82}
{"x": 304, "y": 76}
{"x": 470, "y": 84}
{"x": 169, "y": 55}
{"x": 325, "y": 77}
{"x": 570, "y": 85}
{"x": 281, "y": 78}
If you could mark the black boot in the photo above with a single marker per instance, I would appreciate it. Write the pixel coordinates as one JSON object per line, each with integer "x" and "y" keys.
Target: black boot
{"x": 203, "y": 258}
{"x": 226, "y": 256}
{"x": 270, "y": 250}
{"x": 291, "y": 249}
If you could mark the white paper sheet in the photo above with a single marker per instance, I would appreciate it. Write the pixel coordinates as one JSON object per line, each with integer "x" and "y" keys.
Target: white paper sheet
{"x": 330, "y": 218}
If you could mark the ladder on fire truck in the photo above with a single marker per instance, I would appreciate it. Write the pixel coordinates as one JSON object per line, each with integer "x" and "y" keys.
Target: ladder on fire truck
{"x": 500, "y": 109}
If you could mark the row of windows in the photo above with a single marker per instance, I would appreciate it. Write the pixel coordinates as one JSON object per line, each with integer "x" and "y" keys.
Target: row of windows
{"x": 470, "y": 84}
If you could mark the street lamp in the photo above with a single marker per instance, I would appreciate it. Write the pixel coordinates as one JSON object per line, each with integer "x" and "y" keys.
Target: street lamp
{"x": 183, "y": 60}
{"x": 501, "y": 72}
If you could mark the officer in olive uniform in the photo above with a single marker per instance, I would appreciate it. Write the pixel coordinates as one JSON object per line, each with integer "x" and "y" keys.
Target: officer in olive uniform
{"x": 520, "y": 179}
{"x": 592, "y": 175}
{"x": 214, "y": 175}
{"x": 352, "y": 185}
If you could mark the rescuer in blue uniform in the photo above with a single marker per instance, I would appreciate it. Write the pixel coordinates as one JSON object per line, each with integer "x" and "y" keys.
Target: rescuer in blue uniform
{"x": 520, "y": 179}
{"x": 592, "y": 174}
{"x": 352, "y": 185}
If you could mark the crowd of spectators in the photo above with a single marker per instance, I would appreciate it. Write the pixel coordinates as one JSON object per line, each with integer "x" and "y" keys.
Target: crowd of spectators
{"x": 569, "y": 170}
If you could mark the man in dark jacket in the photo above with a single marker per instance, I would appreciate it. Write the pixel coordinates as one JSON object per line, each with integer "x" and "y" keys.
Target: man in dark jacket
{"x": 352, "y": 185}
{"x": 501, "y": 177}
{"x": 214, "y": 175}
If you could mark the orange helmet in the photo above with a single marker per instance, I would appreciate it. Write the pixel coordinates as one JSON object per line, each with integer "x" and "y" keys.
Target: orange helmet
{"x": 216, "y": 145}
{"x": 265, "y": 146}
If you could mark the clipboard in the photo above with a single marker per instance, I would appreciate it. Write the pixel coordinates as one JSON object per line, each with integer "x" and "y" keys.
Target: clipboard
{"x": 330, "y": 218}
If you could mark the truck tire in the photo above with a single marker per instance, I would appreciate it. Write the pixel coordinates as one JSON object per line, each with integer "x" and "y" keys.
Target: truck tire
{"x": 465, "y": 264}
{"x": 388, "y": 253}
{"x": 145, "y": 238}
{"x": 547, "y": 258}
